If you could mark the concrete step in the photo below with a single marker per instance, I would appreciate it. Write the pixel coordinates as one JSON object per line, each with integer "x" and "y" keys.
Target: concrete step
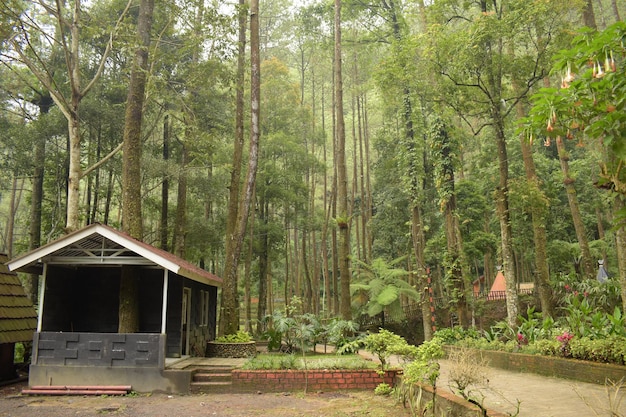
{"x": 211, "y": 387}
{"x": 211, "y": 380}
{"x": 209, "y": 376}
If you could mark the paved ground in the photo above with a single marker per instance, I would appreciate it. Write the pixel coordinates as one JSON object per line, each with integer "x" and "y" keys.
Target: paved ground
{"x": 538, "y": 396}
{"x": 542, "y": 396}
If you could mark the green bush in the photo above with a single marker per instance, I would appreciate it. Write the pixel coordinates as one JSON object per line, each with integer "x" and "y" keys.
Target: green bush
{"x": 273, "y": 361}
{"x": 239, "y": 337}
{"x": 609, "y": 350}
{"x": 383, "y": 389}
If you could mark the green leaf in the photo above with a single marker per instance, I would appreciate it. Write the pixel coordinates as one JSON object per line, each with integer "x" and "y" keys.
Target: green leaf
{"x": 387, "y": 296}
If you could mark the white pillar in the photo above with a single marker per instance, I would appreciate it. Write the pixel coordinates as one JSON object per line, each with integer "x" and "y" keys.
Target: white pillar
{"x": 42, "y": 293}
{"x": 164, "y": 309}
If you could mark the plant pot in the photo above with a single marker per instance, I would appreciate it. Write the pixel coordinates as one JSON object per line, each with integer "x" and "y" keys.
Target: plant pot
{"x": 230, "y": 350}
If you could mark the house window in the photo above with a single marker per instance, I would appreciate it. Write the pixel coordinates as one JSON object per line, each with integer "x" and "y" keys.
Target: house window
{"x": 204, "y": 302}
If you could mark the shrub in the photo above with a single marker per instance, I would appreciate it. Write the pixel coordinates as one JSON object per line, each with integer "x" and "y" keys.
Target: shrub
{"x": 239, "y": 337}
{"x": 608, "y": 350}
{"x": 383, "y": 389}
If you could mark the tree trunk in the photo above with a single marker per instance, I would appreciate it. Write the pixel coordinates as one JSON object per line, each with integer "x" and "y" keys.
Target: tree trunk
{"x": 506, "y": 233}
{"x": 180, "y": 222}
{"x": 588, "y": 268}
{"x": 542, "y": 274}
{"x": 229, "y": 318}
{"x": 620, "y": 240}
{"x": 264, "y": 261}
{"x": 247, "y": 281}
{"x": 132, "y": 221}
{"x": 418, "y": 239}
{"x": 343, "y": 219}
{"x": 230, "y": 288}
{"x": 589, "y": 17}
{"x": 131, "y": 163}
{"x": 615, "y": 10}
{"x": 165, "y": 186}
{"x": 129, "y": 307}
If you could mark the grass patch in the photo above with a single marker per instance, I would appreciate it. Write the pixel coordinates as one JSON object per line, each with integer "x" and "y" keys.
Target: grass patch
{"x": 280, "y": 361}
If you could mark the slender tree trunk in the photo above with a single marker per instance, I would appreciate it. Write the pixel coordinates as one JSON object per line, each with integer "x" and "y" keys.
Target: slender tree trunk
{"x": 180, "y": 221}
{"x": 620, "y": 240}
{"x": 32, "y": 281}
{"x": 455, "y": 267}
{"x": 247, "y": 282}
{"x": 589, "y": 17}
{"x": 229, "y": 318}
{"x": 506, "y": 233}
{"x": 587, "y": 264}
{"x": 542, "y": 274}
{"x": 615, "y": 10}
{"x": 165, "y": 186}
{"x": 343, "y": 220}
{"x": 264, "y": 263}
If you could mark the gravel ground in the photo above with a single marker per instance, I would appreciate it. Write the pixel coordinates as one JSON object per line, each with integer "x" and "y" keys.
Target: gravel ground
{"x": 339, "y": 404}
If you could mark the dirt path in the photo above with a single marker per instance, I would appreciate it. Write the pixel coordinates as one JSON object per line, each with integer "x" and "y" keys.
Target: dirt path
{"x": 332, "y": 404}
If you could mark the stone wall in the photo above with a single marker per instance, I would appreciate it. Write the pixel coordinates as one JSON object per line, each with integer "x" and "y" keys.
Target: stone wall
{"x": 318, "y": 380}
{"x": 230, "y": 350}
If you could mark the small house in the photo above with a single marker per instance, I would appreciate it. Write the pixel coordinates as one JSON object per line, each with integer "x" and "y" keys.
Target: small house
{"x": 77, "y": 342}
{"x": 18, "y": 319}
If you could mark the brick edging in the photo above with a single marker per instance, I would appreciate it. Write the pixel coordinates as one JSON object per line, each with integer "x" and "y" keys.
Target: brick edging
{"x": 314, "y": 380}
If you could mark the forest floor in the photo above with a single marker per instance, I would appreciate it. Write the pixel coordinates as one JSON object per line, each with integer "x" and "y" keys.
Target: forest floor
{"x": 331, "y": 404}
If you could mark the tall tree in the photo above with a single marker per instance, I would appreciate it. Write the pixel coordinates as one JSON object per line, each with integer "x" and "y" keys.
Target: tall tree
{"x": 343, "y": 219}
{"x": 473, "y": 55}
{"x": 588, "y": 106}
{"x": 445, "y": 148}
{"x": 229, "y": 322}
{"x": 68, "y": 24}
{"x": 132, "y": 220}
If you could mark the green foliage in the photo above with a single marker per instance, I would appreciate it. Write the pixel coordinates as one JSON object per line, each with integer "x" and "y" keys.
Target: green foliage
{"x": 239, "y": 337}
{"x": 590, "y": 104}
{"x": 451, "y": 335}
{"x": 385, "y": 343}
{"x": 275, "y": 361}
{"x": 611, "y": 349}
{"x": 383, "y": 389}
{"x": 339, "y": 332}
{"x": 380, "y": 286}
{"x": 291, "y": 330}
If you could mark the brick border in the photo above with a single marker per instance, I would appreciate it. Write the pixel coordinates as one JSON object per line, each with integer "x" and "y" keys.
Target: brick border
{"x": 316, "y": 380}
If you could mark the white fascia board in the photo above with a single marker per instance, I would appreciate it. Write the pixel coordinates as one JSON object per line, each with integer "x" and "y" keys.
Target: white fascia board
{"x": 37, "y": 254}
{"x": 138, "y": 249}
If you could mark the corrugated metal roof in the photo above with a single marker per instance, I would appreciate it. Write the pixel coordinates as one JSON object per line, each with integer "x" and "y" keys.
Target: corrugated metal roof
{"x": 18, "y": 318}
{"x": 102, "y": 245}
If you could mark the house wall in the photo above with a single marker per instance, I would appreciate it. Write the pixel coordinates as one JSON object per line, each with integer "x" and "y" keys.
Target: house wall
{"x": 87, "y": 300}
{"x": 174, "y": 316}
{"x": 81, "y": 300}
{"x": 199, "y": 334}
